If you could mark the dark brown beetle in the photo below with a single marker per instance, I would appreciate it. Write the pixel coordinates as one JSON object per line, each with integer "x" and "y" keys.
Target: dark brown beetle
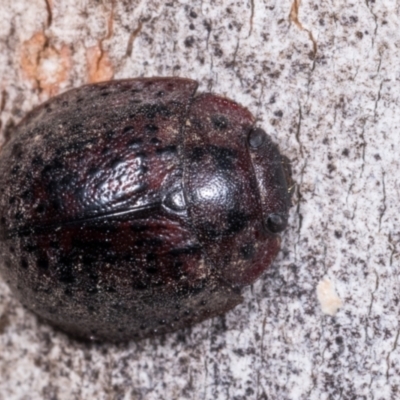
{"x": 131, "y": 208}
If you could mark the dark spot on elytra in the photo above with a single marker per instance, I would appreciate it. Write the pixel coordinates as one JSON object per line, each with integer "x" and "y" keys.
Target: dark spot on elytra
{"x": 43, "y": 263}
{"x": 135, "y": 143}
{"x": 110, "y": 258}
{"x": 56, "y": 204}
{"x": 140, "y": 286}
{"x": 18, "y": 216}
{"x": 23, "y": 233}
{"x": 15, "y": 169}
{"x": 93, "y": 171}
{"x": 185, "y": 250}
{"x": 24, "y": 263}
{"x": 41, "y": 208}
{"x": 110, "y": 289}
{"x": 76, "y": 146}
{"x": 151, "y": 257}
{"x": 223, "y": 157}
{"x": 106, "y": 228}
{"x": 52, "y": 168}
{"x": 31, "y": 248}
{"x": 89, "y": 259}
{"x": 237, "y": 221}
{"x": 210, "y": 231}
{"x": 105, "y": 150}
{"x": 155, "y": 141}
{"x": 93, "y": 276}
{"x": 139, "y": 228}
{"x": 7, "y": 263}
{"x": 90, "y": 245}
{"x": 153, "y": 110}
{"x": 151, "y": 270}
{"x": 152, "y": 242}
{"x": 38, "y": 161}
{"x": 76, "y": 128}
{"x": 220, "y": 122}
{"x": 65, "y": 273}
{"x": 247, "y": 251}
{"x": 26, "y": 195}
{"x": 166, "y": 151}
{"x": 141, "y": 154}
{"x": 197, "y": 154}
{"x": 150, "y": 128}
{"x": 66, "y": 180}
{"x": 116, "y": 162}
{"x": 197, "y": 124}
{"x": 17, "y": 150}
{"x": 54, "y": 244}
{"x": 11, "y": 200}
{"x": 79, "y": 192}
{"x": 128, "y": 130}
{"x": 92, "y": 290}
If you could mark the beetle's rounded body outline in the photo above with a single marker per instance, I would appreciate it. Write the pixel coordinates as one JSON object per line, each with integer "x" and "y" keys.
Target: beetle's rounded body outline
{"x": 135, "y": 207}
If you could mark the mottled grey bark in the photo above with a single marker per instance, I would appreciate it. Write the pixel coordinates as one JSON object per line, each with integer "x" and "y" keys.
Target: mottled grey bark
{"x": 323, "y": 80}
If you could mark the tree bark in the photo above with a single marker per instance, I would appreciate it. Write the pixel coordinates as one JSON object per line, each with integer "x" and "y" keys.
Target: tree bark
{"x": 322, "y": 78}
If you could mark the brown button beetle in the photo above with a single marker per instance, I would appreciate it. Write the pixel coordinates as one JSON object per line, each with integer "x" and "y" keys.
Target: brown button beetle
{"x": 131, "y": 208}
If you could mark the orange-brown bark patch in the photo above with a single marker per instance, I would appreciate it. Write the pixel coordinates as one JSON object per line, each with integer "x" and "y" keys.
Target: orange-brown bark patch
{"x": 99, "y": 64}
{"x": 43, "y": 64}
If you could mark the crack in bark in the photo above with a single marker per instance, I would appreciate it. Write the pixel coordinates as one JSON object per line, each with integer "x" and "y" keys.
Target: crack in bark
{"x": 298, "y": 130}
{"x": 132, "y": 38}
{"x": 294, "y": 17}
{"x": 373, "y": 293}
{"x": 367, "y": 3}
{"x": 364, "y": 145}
{"x": 49, "y": 13}
{"x": 251, "y": 17}
{"x": 392, "y": 247}
{"x": 377, "y": 101}
{"x": 390, "y": 353}
{"x": 110, "y": 24}
{"x": 298, "y": 206}
{"x": 262, "y": 356}
{"x": 381, "y": 214}
{"x": 3, "y": 102}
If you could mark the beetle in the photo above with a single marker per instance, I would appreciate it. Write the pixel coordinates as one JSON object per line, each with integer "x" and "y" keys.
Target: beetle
{"x": 135, "y": 207}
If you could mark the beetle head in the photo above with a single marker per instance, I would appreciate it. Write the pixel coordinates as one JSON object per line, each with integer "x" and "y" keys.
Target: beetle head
{"x": 272, "y": 174}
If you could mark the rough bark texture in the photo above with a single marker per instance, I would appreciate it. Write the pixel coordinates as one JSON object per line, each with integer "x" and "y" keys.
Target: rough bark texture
{"x": 323, "y": 80}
